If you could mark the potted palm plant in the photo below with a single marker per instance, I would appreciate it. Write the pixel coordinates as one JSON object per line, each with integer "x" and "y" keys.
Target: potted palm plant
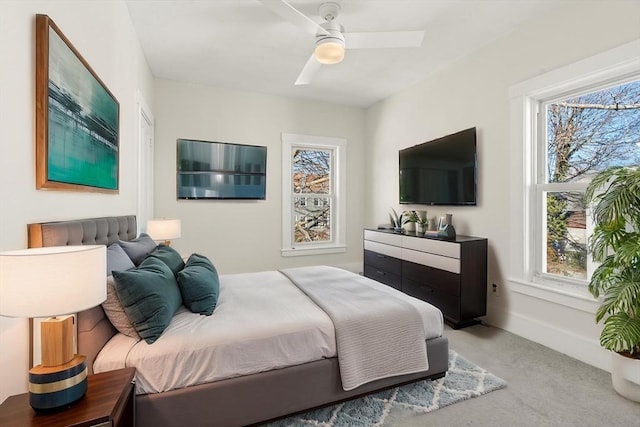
{"x": 615, "y": 244}
{"x": 403, "y": 222}
{"x": 409, "y": 220}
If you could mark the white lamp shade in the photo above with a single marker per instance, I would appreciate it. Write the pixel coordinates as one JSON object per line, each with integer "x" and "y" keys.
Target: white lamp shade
{"x": 164, "y": 229}
{"x": 52, "y": 281}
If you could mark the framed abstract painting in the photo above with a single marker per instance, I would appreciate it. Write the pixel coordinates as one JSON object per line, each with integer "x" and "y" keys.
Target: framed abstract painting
{"x": 77, "y": 118}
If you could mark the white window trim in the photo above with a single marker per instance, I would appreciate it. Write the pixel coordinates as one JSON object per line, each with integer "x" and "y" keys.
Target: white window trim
{"x": 339, "y": 147}
{"x": 599, "y": 70}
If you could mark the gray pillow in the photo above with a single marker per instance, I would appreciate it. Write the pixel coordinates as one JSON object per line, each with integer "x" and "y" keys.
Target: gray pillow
{"x": 150, "y": 296}
{"x": 115, "y": 312}
{"x": 139, "y": 248}
{"x": 117, "y": 259}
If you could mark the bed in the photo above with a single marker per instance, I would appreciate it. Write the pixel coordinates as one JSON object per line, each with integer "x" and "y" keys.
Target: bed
{"x": 250, "y": 398}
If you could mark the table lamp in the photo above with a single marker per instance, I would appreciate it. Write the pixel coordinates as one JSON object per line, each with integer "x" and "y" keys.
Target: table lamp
{"x": 164, "y": 229}
{"x": 54, "y": 281}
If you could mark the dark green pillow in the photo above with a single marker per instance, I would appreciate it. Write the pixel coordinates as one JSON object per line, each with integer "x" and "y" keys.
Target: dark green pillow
{"x": 150, "y": 296}
{"x": 199, "y": 285}
{"x": 169, "y": 256}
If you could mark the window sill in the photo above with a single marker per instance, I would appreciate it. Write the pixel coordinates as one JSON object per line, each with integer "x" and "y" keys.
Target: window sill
{"x": 301, "y": 251}
{"x": 576, "y": 297}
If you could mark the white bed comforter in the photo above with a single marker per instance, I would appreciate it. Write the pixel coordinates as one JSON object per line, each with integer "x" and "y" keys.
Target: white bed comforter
{"x": 262, "y": 322}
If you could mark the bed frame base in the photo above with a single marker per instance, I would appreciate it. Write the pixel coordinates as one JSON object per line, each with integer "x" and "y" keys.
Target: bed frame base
{"x": 257, "y": 398}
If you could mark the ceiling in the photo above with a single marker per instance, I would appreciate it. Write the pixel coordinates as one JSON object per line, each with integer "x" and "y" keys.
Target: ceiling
{"x": 242, "y": 44}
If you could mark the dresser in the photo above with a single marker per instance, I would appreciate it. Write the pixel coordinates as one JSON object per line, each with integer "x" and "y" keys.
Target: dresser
{"x": 450, "y": 274}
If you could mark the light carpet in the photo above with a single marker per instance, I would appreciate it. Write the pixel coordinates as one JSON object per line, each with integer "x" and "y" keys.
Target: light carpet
{"x": 464, "y": 380}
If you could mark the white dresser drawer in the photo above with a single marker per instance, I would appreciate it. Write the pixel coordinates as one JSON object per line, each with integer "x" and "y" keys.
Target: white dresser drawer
{"x": 384, "y": 249}
{"x": 436, "y": 261}
{"x": 447, "y": 249}
{"x": 388, "y": 238}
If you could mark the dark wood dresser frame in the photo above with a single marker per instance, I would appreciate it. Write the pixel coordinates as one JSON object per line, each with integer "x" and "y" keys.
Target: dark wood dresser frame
{"x": 451, "y": 274}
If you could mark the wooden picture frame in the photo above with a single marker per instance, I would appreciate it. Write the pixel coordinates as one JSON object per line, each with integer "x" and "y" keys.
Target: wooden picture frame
{"x": 77, "y": 118}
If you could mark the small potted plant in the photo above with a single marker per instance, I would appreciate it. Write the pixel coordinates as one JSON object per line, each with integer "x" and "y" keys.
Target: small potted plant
{"x": 409, "y": 220}
{"x": 615, "y": 245}
{"x": 422, "y": 223}
{"x": 396, "y": 220}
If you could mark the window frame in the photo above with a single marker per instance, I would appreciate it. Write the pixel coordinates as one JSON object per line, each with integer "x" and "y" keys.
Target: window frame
{"x": 338, "y": 148}
{"x": 528, "y": 166}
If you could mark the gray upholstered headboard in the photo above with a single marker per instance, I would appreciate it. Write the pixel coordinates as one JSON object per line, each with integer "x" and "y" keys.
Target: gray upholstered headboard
{"x": 94, "y": 329}
{"x": 94, "y": 231}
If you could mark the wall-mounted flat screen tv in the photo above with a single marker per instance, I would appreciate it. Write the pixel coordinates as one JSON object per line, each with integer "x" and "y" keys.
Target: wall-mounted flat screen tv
{"x": 220, "y": 170}
{"x": 440, "y": 172}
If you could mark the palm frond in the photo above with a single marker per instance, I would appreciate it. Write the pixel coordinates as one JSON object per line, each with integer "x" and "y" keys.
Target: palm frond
{"x": 622, "y": 192}
{"x": 597, "y": 183}
{"x": 628, "y": 250}
{"x": 621, "y": 296}
{"x": 602, "y": 277}
{"x": 620, "y": 332}
{"x": 605, "y": 236}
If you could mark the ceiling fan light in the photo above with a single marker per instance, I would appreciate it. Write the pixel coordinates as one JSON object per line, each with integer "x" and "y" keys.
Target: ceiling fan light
{"x": 329, "y": 51}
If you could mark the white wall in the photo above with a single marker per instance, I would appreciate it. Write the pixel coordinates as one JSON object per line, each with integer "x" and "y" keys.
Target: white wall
{"x": 246, "y": 235}
{"x": 102, "y": 32}
{"x": 474, "y": 92}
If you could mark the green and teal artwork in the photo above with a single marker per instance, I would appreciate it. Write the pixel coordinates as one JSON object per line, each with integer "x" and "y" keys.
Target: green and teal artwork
{"x": 82, "y": 121}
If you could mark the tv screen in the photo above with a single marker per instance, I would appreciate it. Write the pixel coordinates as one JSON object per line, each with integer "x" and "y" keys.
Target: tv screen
{"x": 440, "y": 172}
{"x": 219, "y": 170}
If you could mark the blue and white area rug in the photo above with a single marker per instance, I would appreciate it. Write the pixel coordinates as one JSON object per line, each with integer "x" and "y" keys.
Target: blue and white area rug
{"x": 464, "y": 380}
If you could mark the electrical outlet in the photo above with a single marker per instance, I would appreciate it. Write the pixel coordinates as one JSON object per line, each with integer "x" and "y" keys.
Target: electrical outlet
{"x": 494, "y": 289}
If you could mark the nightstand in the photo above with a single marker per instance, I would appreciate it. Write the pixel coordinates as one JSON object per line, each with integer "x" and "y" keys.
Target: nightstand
{"x": 110, "y": 401}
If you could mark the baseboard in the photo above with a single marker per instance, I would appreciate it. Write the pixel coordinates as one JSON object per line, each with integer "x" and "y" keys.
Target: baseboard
{"x": 567, "y": 342}
{"x": 355, "y": 267}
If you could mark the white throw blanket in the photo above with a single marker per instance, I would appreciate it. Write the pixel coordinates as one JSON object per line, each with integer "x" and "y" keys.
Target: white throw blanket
{"x": 377, "y": 335}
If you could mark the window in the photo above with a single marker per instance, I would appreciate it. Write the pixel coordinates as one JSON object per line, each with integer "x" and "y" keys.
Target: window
{"x": 566, "y": 126}
{"x": 584, "y": 134}
{"x": 313, "y": 189}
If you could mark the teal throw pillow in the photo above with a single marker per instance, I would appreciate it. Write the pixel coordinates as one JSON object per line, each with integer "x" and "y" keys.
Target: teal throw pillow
{"x": 150, "y": 296}
{"x": 199, "y": 285}
{"x": 169, "y": 256}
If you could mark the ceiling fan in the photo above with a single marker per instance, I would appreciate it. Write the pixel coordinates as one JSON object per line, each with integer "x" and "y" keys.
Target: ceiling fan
{"x": 331, "y": 40}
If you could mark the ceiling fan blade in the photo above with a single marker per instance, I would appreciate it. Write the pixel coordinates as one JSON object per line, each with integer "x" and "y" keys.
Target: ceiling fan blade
{"x": 310, "y": 69}
{"x": 293, "y": 15}
{"x": 383, "y": 39}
